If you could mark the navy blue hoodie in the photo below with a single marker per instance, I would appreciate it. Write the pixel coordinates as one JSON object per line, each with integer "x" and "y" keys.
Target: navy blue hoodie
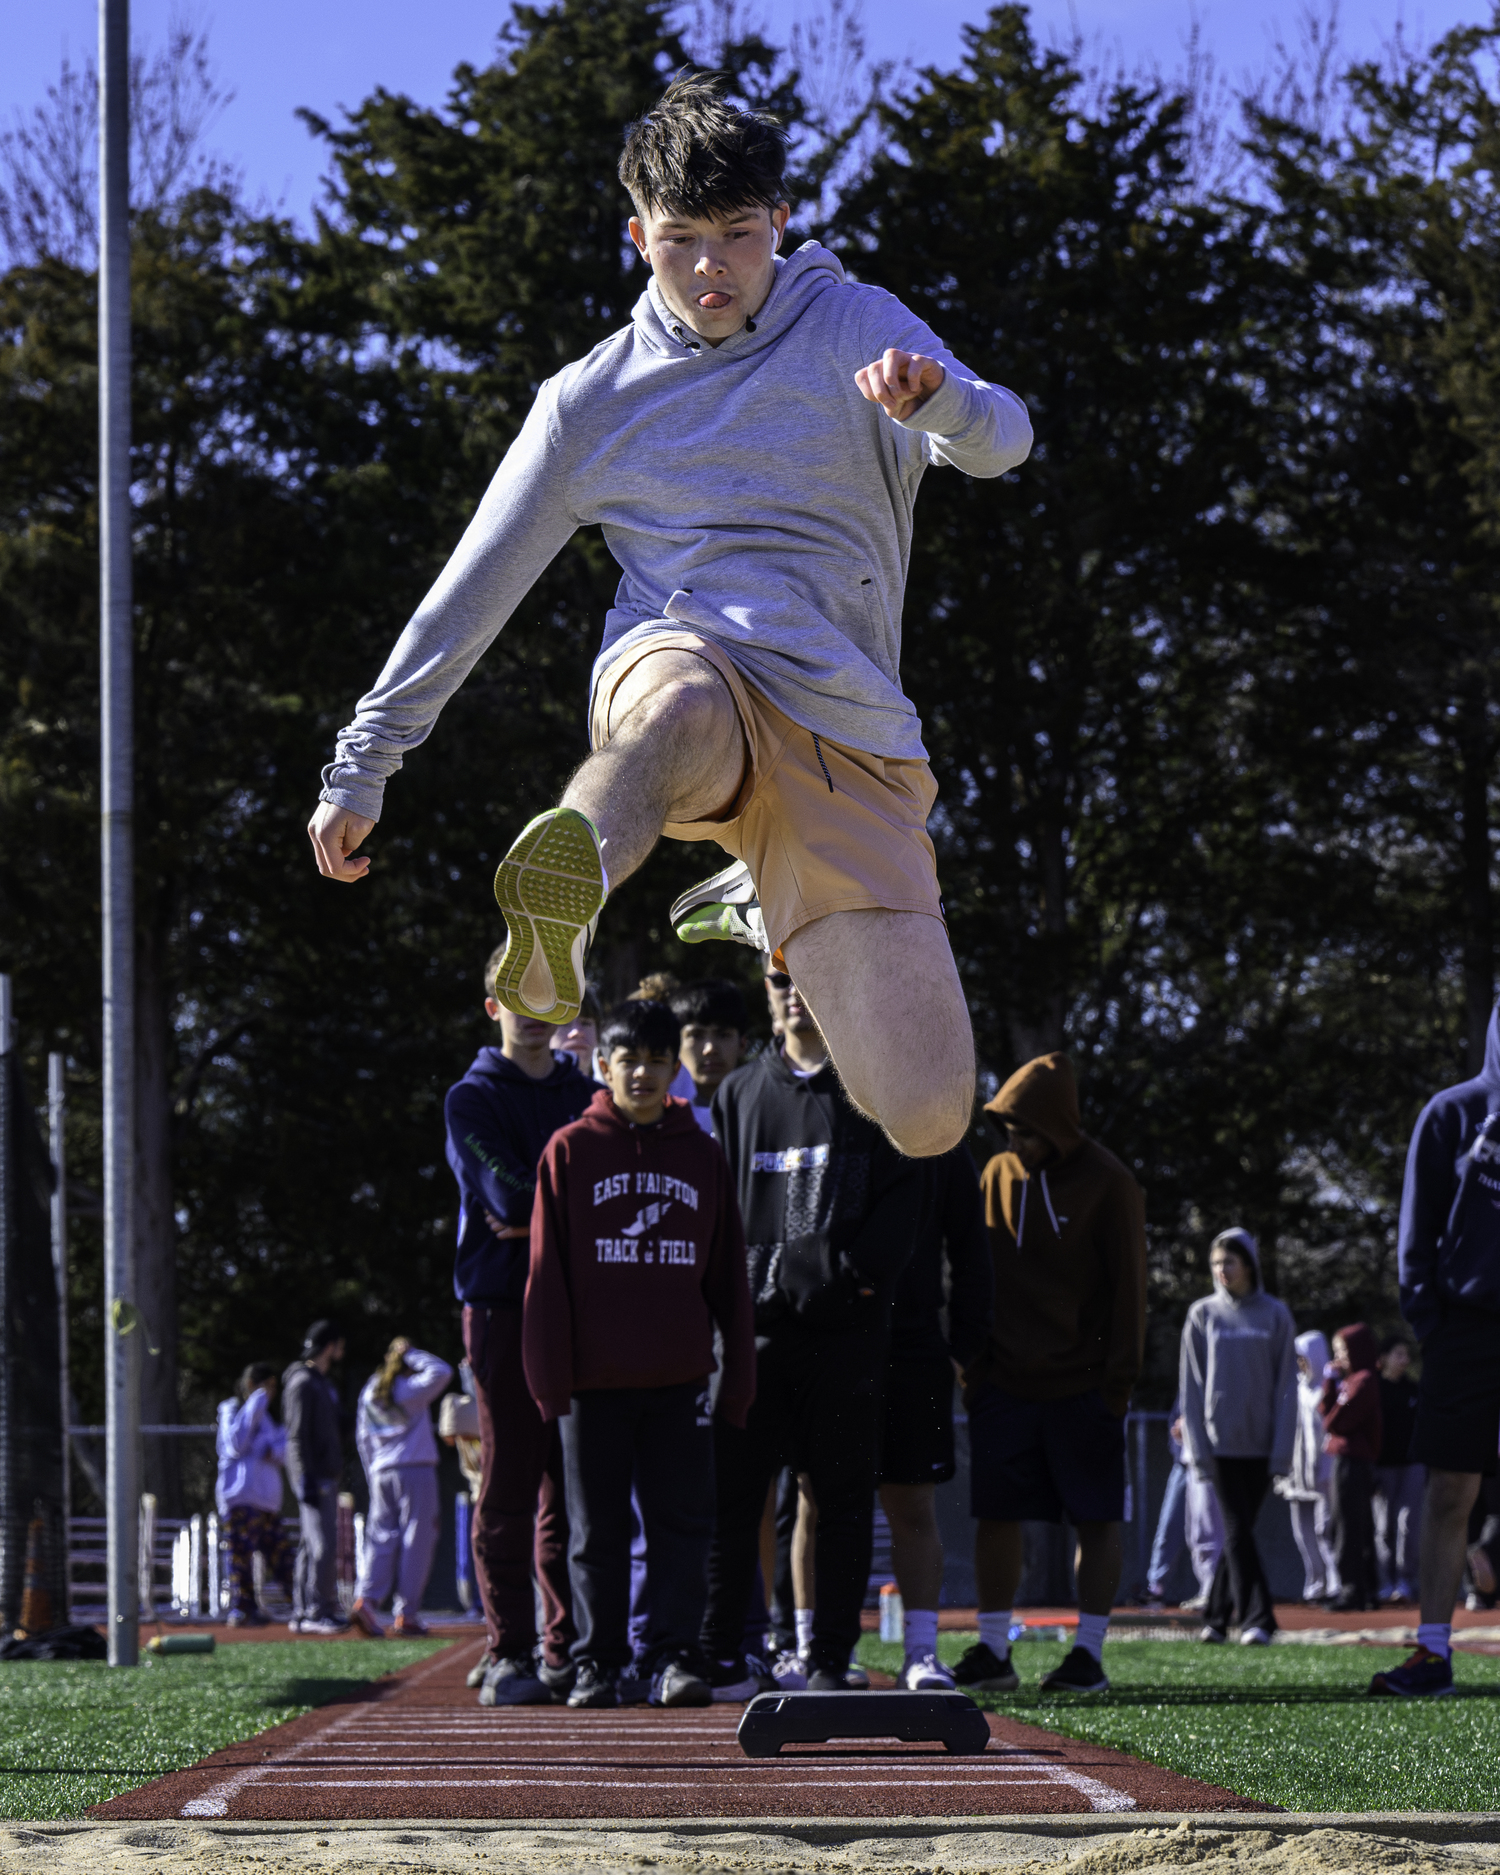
{"x": 1450, "y": 1252}
{"x": 499, "y": 1121}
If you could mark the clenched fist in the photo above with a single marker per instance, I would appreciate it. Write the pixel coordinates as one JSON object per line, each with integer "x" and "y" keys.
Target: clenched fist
{"x": 900, "y": 382}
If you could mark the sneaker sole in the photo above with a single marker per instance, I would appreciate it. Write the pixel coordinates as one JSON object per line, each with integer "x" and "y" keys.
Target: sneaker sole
{"x": 550, "y": 885}
{"x": 1067, "y": 1686}
{"x": 1396, "y": 1692}
{"x": 1011, "y": 1684}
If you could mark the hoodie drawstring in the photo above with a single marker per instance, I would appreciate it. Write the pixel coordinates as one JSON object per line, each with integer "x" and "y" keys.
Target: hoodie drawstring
{"x": 1047, "y": 1200}
{"x": 1021, "y": 1221}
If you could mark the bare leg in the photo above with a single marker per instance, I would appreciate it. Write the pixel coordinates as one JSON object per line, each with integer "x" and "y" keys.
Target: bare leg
{"x": 916, "y": 1547}
{"x": 805, "y": 1547}
{"x": 1100, "y": 1557}
{"x": 912, "y": 1070}
{"x": 997, "y": 1563}
{"x": 676, "y": 751}
{"x": 1449, "y": 1498}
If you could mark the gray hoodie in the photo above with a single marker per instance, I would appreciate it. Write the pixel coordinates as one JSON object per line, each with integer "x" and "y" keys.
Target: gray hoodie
{"x": 1238, "y": 1374}
{"x": 750, "y": 494}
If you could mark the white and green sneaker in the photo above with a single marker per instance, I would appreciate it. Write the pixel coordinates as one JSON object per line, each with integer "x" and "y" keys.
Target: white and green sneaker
{"x": 551, "y": 886}
{"x": 725, "y": 907}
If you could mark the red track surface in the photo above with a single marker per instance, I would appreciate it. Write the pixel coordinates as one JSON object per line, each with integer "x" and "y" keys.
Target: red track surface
{"x": 418, "y": 1745}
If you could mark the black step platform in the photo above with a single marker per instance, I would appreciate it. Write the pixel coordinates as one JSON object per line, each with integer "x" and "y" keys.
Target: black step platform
{"x": 772, "y": 1720}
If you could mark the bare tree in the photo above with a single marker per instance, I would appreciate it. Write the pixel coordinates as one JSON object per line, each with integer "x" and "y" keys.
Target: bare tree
{"x": 49, "y": 168}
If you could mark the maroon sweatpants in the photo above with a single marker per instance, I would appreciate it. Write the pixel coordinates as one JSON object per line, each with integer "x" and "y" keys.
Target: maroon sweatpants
{"x": 521, "y": 1512}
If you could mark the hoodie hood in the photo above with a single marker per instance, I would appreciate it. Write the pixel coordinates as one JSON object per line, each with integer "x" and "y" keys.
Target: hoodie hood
{"x": 496, "y": 1069}
{"x": 1313, "y": 1347}
{"x": 1043, "y": 1096}
{"x": 601, "y": 1114}
{"x": 798, "y": 280}
{"x": 1243, "y": 1245}
{"x": 1360, "y": 1341}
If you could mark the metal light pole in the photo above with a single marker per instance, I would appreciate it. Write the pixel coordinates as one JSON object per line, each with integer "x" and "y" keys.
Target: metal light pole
{"x": 121, "y": 1347}
{"x": 57, "y": 1107}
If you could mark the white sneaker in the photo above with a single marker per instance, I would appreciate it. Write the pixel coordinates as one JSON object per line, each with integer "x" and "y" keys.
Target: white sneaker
{"x": 1254, "y": 1637}
{"x": 855, "y": 1677}
{"x": 925, "y": 1673}
{"x": 789, "y": 1671}
{"x": 725, "y": 906}
{"x": 1215, "y": 1637}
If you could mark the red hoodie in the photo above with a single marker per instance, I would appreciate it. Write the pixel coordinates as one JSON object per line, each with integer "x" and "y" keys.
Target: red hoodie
{"x": 636, "y": 1252}
{"x": 1352, "y": 1419}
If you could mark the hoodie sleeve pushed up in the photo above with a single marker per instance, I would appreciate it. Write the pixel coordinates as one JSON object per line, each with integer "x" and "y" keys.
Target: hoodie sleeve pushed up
{"x": 522, "y": 524}
{"x": 726, "y": 1290}
{"x": 547, "y": 1321}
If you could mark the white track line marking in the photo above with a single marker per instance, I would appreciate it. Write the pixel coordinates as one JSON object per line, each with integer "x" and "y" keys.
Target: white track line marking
{"x": 216, "y": 1802}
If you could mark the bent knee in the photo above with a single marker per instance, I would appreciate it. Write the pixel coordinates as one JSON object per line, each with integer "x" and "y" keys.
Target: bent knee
{"x": 924, "y": 1126}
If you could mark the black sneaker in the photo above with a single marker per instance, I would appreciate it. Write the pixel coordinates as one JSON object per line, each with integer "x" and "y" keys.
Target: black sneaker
{"x": 1079, "y": 1673}
{"x": 828, "y": 1680}
{"x": 594, "y": 1688}
{"x": 982, "y": 1670}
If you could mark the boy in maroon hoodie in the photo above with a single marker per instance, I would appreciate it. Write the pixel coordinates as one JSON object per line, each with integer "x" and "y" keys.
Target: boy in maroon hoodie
{"x": 637, "y": 1253}
{"x": 1352, "y": 1424}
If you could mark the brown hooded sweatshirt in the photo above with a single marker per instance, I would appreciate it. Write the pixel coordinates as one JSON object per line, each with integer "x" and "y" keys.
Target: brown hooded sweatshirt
{"x": 1069, "y": 1247}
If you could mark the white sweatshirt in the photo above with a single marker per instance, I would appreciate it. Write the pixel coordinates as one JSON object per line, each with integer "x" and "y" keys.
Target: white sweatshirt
{"x": 251, "y": 1449}
{"x": 401, "y": 1434}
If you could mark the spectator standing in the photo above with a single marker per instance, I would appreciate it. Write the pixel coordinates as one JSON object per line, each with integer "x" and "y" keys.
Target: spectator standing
{"x": 1449, "y": 1259}
{"x": 393, "y": 1432}
{"x": 636, "y": 1258}
{"x": 1047, "y": 1397}
{"x": 1188, "y": 1519}
{"x": 315, "y": 1463}
{"x": 499, "y": 1118}
{"x": 831, "y": 1213}
{"x": 1398, "y": 1482}
{"x": 916, "y": 1447}
{"x": 1351, "y": 1420}
{"x": 248, "y": 1489}
{"x": 715, "y": 1023}
{"x": 1238, "y": 1376}
{"x": 1308, "y": 1489}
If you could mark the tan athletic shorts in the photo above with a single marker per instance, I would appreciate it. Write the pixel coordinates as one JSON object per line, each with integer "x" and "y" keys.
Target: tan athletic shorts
{"x": 823, "y": 828}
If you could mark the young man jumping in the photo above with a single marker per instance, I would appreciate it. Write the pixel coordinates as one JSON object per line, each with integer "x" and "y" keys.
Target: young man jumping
{"x": 752, "y": 444}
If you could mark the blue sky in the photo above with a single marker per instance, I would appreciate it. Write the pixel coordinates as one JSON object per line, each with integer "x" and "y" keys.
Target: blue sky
{"x": 277, "y": 54}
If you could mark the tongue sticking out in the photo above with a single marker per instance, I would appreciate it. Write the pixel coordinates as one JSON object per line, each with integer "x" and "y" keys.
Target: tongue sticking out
{"x": 713, "y": 302}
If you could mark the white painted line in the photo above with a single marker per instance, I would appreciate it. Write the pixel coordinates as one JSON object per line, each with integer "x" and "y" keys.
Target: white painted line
{"x": 566, "y": 1783}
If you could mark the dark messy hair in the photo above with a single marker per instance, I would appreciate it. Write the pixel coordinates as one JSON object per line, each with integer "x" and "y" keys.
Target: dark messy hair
{"x": 698, "y": 155}
{"x": 650, "y": 1027}
{"x": 714, "y": 1001}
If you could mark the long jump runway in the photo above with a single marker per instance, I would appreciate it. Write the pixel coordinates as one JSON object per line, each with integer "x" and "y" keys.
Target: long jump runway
{"x": 417, "y": 1745}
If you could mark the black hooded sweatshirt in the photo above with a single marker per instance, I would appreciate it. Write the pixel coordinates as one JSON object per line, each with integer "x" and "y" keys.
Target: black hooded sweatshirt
{"x": 831, "y": 1209}
{"x": 499, "y": 1121}
{"x": 954, "y": 1233}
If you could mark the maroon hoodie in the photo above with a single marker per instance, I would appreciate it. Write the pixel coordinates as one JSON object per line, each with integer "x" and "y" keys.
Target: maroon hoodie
{"x": 1351, "y": 1402}
{"x": 636, "y": 1252}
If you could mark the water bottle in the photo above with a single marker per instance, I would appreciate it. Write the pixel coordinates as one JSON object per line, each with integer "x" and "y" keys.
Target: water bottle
{"x": 892, "y": 1613}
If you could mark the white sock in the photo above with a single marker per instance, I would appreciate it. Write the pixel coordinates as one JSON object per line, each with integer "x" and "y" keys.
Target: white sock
{"x": 1091, "y": 1632}
{"x": 804, "y": 1629}
{"x": 1436, "y": 1637}
{"x": 920, "y": 1630}
{"x": 994, "y": 1631}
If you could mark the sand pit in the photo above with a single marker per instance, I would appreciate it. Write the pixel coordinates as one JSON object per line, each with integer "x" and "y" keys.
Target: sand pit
{"x": 1311, "y": 1846}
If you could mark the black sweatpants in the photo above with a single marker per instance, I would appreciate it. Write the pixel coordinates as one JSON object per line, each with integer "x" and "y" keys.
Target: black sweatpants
{"x": 1240, "y": 1593}
{"x": 661, "y": 1438}
{"x": 1354, "y": 1531}
{"x": 817, "y": 1408}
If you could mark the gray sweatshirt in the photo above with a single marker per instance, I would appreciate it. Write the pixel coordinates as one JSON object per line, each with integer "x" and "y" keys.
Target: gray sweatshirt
{"x": 1238, "y": 1375}
{"x": 750, "y": 494}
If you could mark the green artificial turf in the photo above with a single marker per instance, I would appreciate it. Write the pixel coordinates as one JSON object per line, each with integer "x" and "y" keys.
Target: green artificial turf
{"x": 1289, "y": 1724}
{"x": 73, "y": 1733}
